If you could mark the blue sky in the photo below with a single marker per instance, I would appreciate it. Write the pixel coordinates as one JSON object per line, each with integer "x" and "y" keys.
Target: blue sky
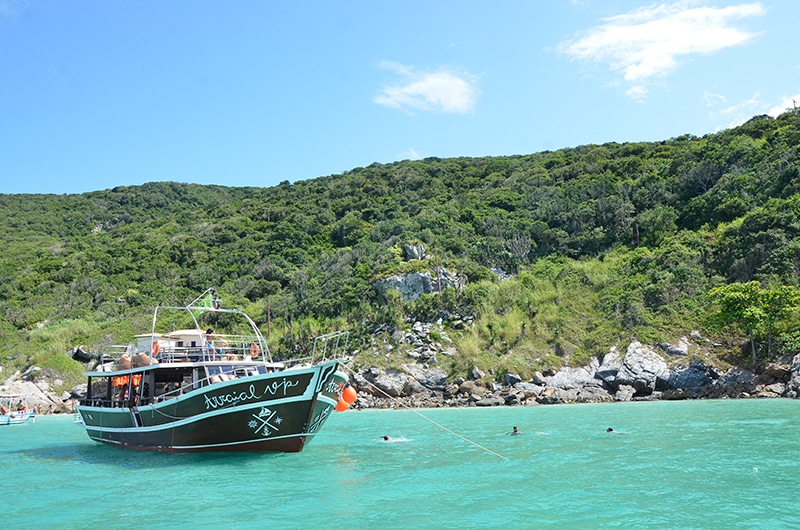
{"x": 96, "y": 94}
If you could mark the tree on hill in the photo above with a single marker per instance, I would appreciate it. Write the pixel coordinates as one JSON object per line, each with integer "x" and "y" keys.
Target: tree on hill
{"x": 760, "y": 313}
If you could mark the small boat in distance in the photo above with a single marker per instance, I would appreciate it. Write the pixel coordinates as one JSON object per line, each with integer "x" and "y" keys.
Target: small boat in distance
{"x": 14, "y": 409}
{"x": 190, "y": 390}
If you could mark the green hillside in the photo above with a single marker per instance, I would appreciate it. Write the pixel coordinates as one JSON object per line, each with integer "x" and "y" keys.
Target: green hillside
{"x": 605, "y": 243}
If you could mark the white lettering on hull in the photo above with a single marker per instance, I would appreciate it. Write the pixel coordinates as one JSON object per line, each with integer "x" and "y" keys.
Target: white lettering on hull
{"x": 273, "y": 389}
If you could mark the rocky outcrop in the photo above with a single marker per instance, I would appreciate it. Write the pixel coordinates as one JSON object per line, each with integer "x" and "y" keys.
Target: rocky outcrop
{"x": 640, "y": 374}
{"x": 793, "y": 384}
{"x": 641, "y": 368}
{"x": 414, "y": 284}
{"x": 39, "y": 387}
{"x": 412, "y": 251}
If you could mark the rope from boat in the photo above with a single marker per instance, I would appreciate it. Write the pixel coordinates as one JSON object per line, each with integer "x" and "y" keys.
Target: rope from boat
{"x": 168, "y": 415}
{"x": 427, "y": 418}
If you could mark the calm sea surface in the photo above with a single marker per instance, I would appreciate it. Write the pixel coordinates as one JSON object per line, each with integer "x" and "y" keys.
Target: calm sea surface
{"x": 689, "y": 464}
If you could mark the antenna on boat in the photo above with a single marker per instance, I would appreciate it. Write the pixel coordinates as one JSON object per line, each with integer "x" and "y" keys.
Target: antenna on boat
{"x": 479, "y": 446}
{"x": 208, "y": 299}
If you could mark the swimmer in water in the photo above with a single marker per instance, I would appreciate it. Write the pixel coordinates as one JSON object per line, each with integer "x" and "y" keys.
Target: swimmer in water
{"x": 609, "y": 430}
{"x": 515, "y": 431}
{"x": 386, "y": 438}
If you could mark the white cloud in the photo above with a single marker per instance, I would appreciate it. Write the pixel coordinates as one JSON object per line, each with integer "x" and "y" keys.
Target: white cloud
{"x": 736, "y": 114}
{"x": 412, "y": 154}
{"x": 441, "y": 90}
{"x": 713, "y": 99}
{"x": 649, "y": 42}
{"x": 637, "y": 92}
{"x": 787, "y": 104}
{"x": 741, "y": 112}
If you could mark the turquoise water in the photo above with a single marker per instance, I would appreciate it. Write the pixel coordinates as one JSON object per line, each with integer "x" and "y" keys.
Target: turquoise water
{"x": 689, "y": 464}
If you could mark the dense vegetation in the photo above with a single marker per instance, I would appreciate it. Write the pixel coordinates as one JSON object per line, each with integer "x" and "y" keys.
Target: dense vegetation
{"x": 606, "y": 243}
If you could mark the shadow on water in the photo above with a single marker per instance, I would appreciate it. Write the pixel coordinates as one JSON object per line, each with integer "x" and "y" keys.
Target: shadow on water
{"x": 92, "y": 453}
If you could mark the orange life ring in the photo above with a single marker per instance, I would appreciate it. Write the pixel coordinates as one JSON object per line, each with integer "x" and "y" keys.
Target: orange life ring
{"x": 155, "y": 348}
{"x": 255, "y": 350}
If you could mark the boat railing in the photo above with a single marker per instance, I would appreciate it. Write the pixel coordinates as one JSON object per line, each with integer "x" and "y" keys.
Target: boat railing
{"x": 331, "y": 345}
{"x": 221, "y": 347}
{"x": 114, "y": 352}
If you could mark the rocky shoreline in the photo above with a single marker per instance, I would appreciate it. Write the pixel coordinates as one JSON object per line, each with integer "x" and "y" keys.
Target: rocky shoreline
{"x": 639, "y": 373}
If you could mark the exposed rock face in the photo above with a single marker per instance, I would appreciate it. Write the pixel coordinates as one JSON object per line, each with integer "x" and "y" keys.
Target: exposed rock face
{"x": 412, "y": 285}
{"x": 414, "y": 251}
{"x": 36, "y": 384}
{"x": 391, "y": 382}
{"x": 570, "y": 378}
{"x": 793, "y": 386}
{"x": 82, "y": 356}
{"x": 640, "y": 368}
{"x": 641, "y": 374}
{"x": 695, "y": 376}
{"x": 607, "y": 372}
{"x": 430, "y": 378}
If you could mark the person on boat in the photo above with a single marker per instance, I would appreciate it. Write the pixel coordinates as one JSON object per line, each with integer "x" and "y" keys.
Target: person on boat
{"x": 3, "y": 410}
{"x": 123, "y": 393}
{"x": 21, "y": 406}
{"x": 211, "y": 351}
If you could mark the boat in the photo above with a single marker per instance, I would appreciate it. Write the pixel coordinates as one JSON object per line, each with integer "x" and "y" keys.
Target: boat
{"x": 184, "y": 388}
{"x": 14, "y": 409}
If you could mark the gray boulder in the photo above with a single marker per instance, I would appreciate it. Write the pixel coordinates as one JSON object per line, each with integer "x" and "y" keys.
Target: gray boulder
{"x": 640, "y": 368}
{"x": 81, "y": 355}
{"x": 490, "y": 402}
{"x": 593, "y": 394}
{"x": 430, "y": 378}
{"x": 607, "y": 371}
{"x": 574, "y": 377}
{"x": 414, "y": 251}
{"x": 778, "y": 371}
{"x": 529, "y": 389}
{"x": 794, "y": 375}
{"x": 413, "y": 285}
{"x": 471, "y": 388}
{"x": 392, "y": 382}
{"x": 695, "y": 376}
{"x": 624, "y": 393}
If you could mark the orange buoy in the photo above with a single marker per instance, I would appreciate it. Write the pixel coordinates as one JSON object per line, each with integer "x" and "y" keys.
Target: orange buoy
{"x": 255, "y": 350}
{"x": 349, "y": 394}
{"x": 155, "y": 349}
{"x": 342, "y": 405}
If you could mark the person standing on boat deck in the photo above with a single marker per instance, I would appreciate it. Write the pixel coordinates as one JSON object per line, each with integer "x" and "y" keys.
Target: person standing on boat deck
{"x": 210, "y": 350}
